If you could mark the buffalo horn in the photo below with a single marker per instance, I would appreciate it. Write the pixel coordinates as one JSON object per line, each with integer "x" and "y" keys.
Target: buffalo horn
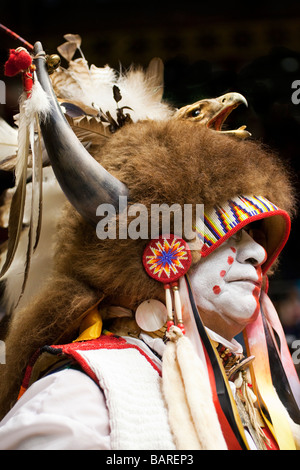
{"x": 84, "y": 181}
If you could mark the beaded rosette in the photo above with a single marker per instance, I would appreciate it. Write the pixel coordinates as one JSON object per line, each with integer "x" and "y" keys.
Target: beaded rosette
{"x": 166, "y": 259}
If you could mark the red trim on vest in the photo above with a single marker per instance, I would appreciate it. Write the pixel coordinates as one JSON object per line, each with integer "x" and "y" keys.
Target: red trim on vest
{"x": 103, "y": 342}
{"x": 28, "y": 373}
{"x": 72, "y": 350}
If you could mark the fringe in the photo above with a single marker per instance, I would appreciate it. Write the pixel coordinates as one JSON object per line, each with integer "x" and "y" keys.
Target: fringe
{"x": 192, "y": 415}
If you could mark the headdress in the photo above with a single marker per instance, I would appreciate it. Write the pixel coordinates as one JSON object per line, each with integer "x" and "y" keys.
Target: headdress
{"x": 171, "y": 160}
{"x": 223, "y": 220}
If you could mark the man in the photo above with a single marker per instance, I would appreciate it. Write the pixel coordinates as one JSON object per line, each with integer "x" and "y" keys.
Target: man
{"x": 102, "y": 376}
{"x": 67, "y": 410}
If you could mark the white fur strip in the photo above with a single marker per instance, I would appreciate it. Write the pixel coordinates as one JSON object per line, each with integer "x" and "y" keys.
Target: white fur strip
{"x": 180, "y": 418}
{"x": 186, "y": 387}
{"x": 199, "y": 397}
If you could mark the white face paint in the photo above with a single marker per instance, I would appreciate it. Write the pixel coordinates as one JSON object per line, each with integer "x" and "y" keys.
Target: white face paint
{"x": 227, "y": 282}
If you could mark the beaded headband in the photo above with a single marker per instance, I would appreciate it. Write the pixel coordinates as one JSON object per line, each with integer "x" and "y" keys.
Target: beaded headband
{"x": 222, "y": 221}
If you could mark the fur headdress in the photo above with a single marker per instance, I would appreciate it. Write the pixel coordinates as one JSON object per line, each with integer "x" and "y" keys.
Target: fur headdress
{"x": 180, "y": 164}
{"x": 171, "y": 161}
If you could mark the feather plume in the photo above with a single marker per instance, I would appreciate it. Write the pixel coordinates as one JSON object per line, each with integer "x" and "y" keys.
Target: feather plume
{"x": 18, "y": 199}
{"x": 73, "y": 38}
{"x": 37, "y": 103}
{"x": 41, "y": 262}
{"x": 155, "y": 76}
{"x": 32, "y": 110}
{"x": 89, "y": 130}
{"x": 91, "y": 88}
{"x": 36, "y": 198}
{"x": 85, "y": 86}
{"x": 68, "y": 49}
{"x": 37, "y": 184}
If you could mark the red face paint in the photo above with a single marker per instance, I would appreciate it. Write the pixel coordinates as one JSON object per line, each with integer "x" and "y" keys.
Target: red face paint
{"x": 230, "y": 260}
{"x": 222, "y": 273}
{"x": 233, "y": 249}
{"x": 216, "y": 290}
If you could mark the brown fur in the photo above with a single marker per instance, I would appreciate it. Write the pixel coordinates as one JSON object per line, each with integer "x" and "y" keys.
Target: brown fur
{"x": 161, "y": 162}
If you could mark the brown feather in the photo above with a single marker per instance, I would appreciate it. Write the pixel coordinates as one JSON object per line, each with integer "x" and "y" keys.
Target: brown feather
{"x": 35, "y": 222}
{"x": 16, "y": 214}
{"x": 67, "y": 50}
{"x": 15, "y": 223}
{"x": 73, "y": 38}
{"x": 89, "y": 130}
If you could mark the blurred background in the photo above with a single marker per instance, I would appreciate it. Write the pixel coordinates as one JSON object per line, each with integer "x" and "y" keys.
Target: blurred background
{"x": 208, "y": 50}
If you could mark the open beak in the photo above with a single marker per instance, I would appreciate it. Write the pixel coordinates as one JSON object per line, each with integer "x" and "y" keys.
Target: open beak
{"x": 213, "y": 113}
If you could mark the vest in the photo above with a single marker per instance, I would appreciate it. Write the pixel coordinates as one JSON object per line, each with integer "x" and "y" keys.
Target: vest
{"x": 130, "y": 381}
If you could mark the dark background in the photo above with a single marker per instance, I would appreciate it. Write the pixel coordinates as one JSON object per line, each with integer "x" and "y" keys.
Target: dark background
{"x": 208, "y": 49}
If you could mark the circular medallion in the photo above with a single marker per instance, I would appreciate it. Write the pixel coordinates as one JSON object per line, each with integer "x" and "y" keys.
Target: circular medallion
{"x": 167, "y": 258}
{"x": 151, "y": 315}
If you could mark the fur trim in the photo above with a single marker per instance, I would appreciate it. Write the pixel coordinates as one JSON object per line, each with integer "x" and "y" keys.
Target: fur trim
{"x": 181, "y": 422}
{"x": 187, "y": 391}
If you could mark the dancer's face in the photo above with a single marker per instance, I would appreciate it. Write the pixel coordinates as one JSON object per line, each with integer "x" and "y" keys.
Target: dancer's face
{"x": 227, "y": 283}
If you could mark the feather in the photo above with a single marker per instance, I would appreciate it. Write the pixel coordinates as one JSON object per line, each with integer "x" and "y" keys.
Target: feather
{"x": 37, "y": 103}
{"x": 37, "y": 184}
{"x": 94, "y": 87}
{"x": 142, "y": 91}
{"x": 36, "y": 199}
{"x": 155, "y": 75}
{"x": 72, "y": 109}
{"x": 18, "y": 199}
{"x": 85, "y": 86}
{"x": 32, "y": 110}
{"x": 41, "y": 262}
{"x": 8, "y": 163}
{"x": 67, "y": 105}
{"x": 89, "y": 130}
{"x": 73, "y": 38}
{"x": 68, "y": 49}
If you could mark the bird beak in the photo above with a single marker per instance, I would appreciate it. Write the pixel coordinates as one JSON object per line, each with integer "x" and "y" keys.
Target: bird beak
{"x": 213, "y": 113}
{"x": 223, "y": 106}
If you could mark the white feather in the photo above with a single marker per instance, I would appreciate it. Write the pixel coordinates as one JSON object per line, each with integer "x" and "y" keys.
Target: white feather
{"x": 37, "y": 103}
{"x": 23, "y": 141}
{"x": 93, "y": 88}
{"x": 138, "y": 93}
